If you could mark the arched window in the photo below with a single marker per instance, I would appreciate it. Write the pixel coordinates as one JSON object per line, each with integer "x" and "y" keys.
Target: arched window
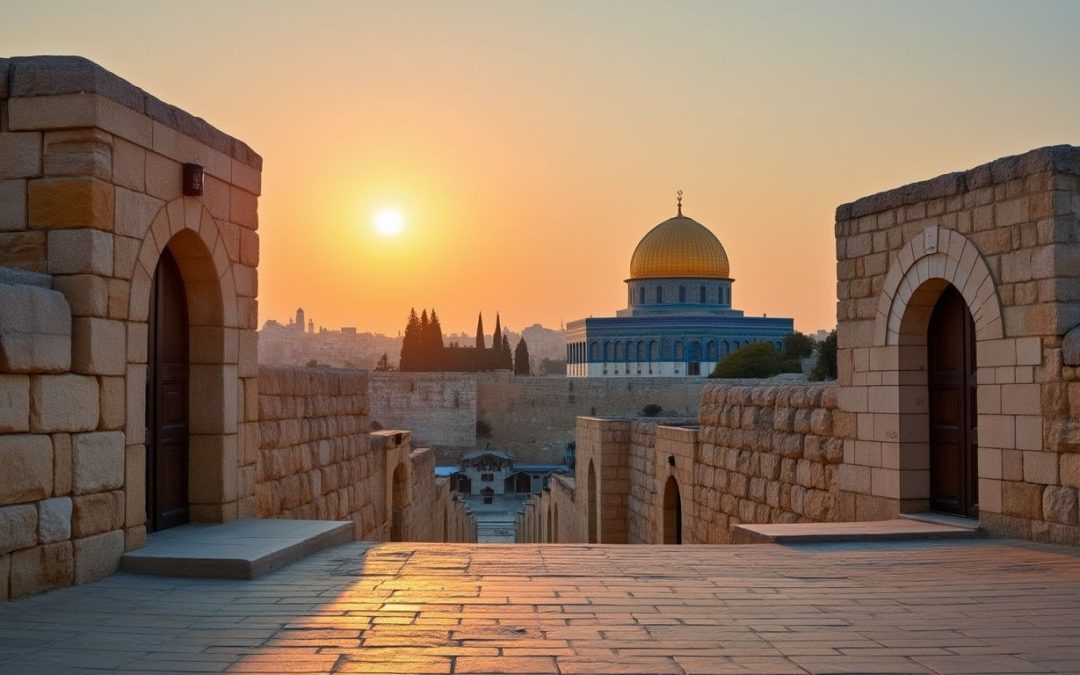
{"x": 618, "y": 351}
{"x": 710, "y": 350}
{"x": 641, "y": 295}
{"x": 654, "y": 351}
{"x": 659, "y": 294}
{"x": 725, "y": 348}
{"x": 694, "y": 351}
{"x": 607, "y": 350}
{"x": 682, "y": 293}
{"x": 701, "y": 295}
{"x": 720, "y": 295}
{"x": 631, "y": 351}
{"x": 679, "y": 351}
{"x": 594, "y": 351}
{"x": 642, "y": 354}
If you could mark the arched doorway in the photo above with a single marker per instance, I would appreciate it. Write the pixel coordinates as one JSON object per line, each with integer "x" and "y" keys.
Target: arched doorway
{"x": 594, "y": 496}
{"x": 672, "y": 512}
{"x": 952, "y": 387}
{"x": 167, "y": 406}
{"x": 398, "y": 501}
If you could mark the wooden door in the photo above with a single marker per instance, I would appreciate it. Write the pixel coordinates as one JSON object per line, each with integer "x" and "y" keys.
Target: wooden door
{"x": 167, "y": 400}
{"x": 953, "y": 407}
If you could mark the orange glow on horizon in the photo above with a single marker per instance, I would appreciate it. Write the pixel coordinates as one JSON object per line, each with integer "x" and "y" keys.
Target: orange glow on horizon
{"x": 529, "y": 147}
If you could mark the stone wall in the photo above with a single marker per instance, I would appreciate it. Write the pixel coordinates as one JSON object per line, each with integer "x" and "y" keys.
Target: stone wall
{"x": 533, "y": 417}
{"x": 90, "y": 197}
{"x": 318, "y": 460}
{"x": 315, "y": 460}
{"x": 767, "y": 455}
{"x": 760, "y": 453}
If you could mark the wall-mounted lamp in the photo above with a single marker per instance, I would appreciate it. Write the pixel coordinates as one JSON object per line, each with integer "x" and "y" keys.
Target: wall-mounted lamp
{"x": 193, "y": 180}
{"x": 671, "y": 460}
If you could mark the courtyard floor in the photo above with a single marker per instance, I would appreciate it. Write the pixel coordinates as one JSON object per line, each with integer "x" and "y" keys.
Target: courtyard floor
{"x": 971, "y": 606}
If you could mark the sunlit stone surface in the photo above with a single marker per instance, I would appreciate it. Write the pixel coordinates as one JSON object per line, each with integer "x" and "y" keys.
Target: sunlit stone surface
{"x": 975, "y": 606}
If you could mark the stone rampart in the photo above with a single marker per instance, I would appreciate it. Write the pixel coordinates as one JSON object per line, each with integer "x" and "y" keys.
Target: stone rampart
{"x": 762, "y": 453}
{"x": 533, "y": 417}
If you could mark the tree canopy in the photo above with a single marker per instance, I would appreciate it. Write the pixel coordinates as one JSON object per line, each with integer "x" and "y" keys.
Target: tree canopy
{"x": 758, "y": 359}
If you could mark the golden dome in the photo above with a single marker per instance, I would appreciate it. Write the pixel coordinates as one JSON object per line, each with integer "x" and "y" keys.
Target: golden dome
{"x": 679, "y": 247}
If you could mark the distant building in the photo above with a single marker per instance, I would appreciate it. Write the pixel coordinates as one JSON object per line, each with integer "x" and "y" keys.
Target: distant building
{"x": 487, "y": 473}
{"x": 679, "y": 319}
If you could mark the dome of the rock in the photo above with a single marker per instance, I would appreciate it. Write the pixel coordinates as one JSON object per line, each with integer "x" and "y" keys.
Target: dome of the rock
{"x": 679, "y": 247}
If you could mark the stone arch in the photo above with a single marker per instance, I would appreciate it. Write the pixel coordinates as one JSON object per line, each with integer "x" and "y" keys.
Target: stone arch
{"x": 672, "y": 523}
{"x": 936, "y": 254}
{"x": 193, "y": 237}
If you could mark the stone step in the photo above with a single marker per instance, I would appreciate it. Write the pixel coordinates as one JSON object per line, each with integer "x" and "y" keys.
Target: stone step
{"x": 241, "y": 549}
{"x": 873, "y": 530}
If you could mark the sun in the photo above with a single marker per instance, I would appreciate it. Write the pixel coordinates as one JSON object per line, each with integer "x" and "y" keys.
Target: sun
{"x": 389, "y": 222}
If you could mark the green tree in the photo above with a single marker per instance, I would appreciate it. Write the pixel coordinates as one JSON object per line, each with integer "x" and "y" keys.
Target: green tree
{"x": 825, "y": 368}
{"x": 384, "y": 363}
{"x": 798, "y": 346}
{"x": 410, "y": 344}
{"x": 432, "y": 343}
{"x": 506, "y": 358}
{"x": 521, "y": 358}
{"x": 759, "y": 359}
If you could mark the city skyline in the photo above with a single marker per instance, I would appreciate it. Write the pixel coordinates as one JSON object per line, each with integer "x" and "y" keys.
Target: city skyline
{"x": 528, "y": 148}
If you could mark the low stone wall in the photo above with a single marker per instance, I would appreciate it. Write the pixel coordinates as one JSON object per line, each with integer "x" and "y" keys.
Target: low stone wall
{"x": 761, "y": 453}
{"x": 767, "y": 455}
{"x": 315, "y": 460}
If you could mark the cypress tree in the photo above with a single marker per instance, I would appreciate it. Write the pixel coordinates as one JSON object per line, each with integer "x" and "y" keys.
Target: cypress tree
{"x": 434, "y": 348}
{"x": 425, "y": 341}
{"x": 496, "y": 339}
{"x": 521, "y": 358}
{"x": 410, "y": 344}
{"x": 506, "y": 360}
{"x": 480, "y": 331}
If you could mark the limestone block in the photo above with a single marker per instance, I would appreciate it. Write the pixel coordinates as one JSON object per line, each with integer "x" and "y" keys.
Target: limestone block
{"x": 135, "y": 420}
{"x": 97, "y": 461}
{"x": 163, "y": 177}
{"x": 98, "y": 346}
{"x": 135, "y": 537}
{"x": 125, "y": 256}
{"x": 12, "y": 205}
{"x": 5, "y": 575}
{"x": 1070, "y": 470}
{"x": 135, "y": 485}
{"x": 1060, "y": 504}
{"x": 97, "y": 557}
{"x": 60, "y": 203}
{"x": 1041, "y": 467}
{"x": 135, "y": 212}
{"x": 14, "y": 403}
{"x": 61, "y": 464}
{"x": 97, "y": 513}
{"x": 243, "y": 208}
{"x": 23, "y": 250}
{"x": 54, "y": 520}
{"x": 80, "y": 252}
{"x": 63, "y": 403}
{"x": 79, "y": 152}
{"x": 18, "y": 527}
{"x": 87, "y": 294}
{"x": 1023, "y": 500}
{"x": 119, "y": 298}
{"x": 68, "y": 111}
{"x": 26, "y": 471}
{"x": 35, "y": 330}
{"x": 20, "y": 155}
{"x": 214, "y": 411}
{"x": 213, "y": 465}
{"x": 113, "y": 403}
{"x": 41, "y": 568}
{"x": 128, "y": 165}
{"x": 249, "y": 248}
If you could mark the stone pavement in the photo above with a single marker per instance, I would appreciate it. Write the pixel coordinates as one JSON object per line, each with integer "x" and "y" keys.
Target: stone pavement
{"x": 939, "y": 606}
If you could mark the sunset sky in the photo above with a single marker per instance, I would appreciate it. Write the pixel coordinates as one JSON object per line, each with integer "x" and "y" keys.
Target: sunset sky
{"x": 529, "y": 146}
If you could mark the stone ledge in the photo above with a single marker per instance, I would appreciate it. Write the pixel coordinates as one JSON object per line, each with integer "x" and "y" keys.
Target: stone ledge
{"x": 29, "y": 76}
{"x": 1057, "y": 158}
{"x": 241, "y": 549}
{"x": 874, "y": 530}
